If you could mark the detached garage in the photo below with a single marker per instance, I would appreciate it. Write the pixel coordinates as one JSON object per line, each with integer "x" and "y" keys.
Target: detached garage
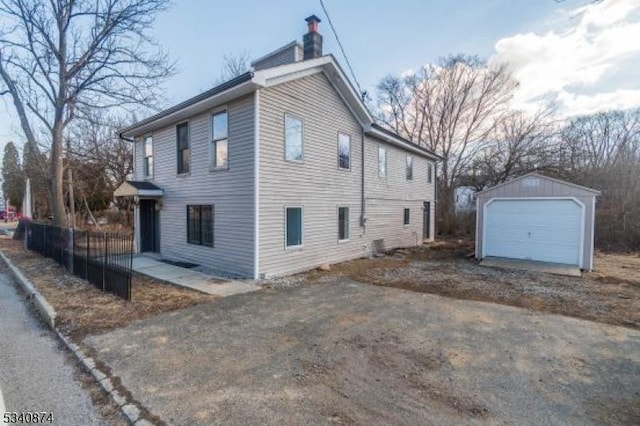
{"x": 537, "y": 218}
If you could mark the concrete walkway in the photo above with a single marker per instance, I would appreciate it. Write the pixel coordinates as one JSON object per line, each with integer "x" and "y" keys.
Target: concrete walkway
{"x": 195, "y": 280}
{"x": 529, "y": 265}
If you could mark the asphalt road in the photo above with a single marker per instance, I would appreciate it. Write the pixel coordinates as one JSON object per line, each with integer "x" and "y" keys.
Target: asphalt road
{"x": 35, "y": 372}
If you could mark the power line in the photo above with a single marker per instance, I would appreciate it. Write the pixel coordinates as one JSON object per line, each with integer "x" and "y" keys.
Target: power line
{"x": 344, "y": 54}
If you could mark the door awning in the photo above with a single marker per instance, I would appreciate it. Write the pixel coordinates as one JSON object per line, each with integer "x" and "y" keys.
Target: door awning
{"x": 134, "y": 188}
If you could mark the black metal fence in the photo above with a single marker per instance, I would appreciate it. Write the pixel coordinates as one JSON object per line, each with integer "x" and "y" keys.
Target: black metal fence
{"x": 102, "y": 258}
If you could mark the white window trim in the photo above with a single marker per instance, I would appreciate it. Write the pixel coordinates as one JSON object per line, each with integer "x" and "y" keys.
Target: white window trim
{"x": 430, "y": 169}
{"x": 284, "y": 139}
{"x": 403, "y": 211}
{"x": 144, "y": 156}
{"x": 301, "y": 245}
{"x": 212, "y": 166}
{"x": 386, "y": 162}
{"x": 348, "y": 223}
{"x": 188, "y": 122}
{"x": 338, "y": 152}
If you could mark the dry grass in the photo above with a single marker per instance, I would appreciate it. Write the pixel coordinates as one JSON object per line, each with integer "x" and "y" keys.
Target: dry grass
{"x": 609, "y": 295}
{"x": 82, "y": 309}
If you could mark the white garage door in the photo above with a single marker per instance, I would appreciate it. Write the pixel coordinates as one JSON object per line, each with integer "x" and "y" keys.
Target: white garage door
{"x": 542, "y": 230}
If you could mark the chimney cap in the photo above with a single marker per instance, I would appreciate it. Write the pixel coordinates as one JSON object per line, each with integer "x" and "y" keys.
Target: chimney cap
{"x": 313, "y": 18}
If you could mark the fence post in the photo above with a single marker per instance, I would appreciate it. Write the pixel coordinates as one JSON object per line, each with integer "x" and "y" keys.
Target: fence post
{"x": 70, "y": 249}
{"x": 104, "y": 259}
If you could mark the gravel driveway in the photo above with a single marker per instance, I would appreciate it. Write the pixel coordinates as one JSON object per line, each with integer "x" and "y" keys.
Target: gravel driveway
{"x": 342, "y": 352}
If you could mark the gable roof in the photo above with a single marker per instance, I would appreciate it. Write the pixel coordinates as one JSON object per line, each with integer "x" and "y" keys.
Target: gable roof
{"x": 541, "y": 176}
{"x": 251, "y": 81}
{"x": 131, "y": 188}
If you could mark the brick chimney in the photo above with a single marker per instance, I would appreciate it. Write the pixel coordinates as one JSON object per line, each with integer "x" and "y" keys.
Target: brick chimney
{"x": 312, "y": 40}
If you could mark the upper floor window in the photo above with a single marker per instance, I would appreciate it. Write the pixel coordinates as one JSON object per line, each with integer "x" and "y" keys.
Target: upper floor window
{"x": 219, "y": 141}
{"x": 293, "y": 138}
{"x": 409, "y": 167}
{"x": 429, "y": 172}
{"x": 382, "y": 162}
{"x": 182, "y": 142}
{"x": 344, "y": 151}
{"x": 147, "y": 165}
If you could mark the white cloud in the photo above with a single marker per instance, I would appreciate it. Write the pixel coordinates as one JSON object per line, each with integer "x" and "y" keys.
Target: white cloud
{"x": 565, "y": 62}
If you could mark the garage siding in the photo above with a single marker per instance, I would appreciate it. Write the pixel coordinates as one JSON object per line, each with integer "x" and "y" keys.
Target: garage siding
{"x": 541, "y": 187}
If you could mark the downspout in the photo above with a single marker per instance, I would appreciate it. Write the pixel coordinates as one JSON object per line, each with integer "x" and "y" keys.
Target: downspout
{"x": 363, "y": 219}
{"x": 256, "y": 186}
{"x": 435, "y": 199}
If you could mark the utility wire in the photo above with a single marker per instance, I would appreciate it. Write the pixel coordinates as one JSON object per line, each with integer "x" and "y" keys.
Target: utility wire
{"x": 335, "y": 33}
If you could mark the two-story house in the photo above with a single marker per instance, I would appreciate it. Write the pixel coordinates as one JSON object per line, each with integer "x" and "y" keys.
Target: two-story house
{"x": 277, "y": 171}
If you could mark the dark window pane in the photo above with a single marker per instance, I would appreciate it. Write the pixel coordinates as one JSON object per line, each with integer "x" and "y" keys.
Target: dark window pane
{"x": 344, "y": 151}
{"x": 207, "y": 225}
{"x": 294, "y": 226}
{"x": 183, "y": 135}
{"x": 409, "y": 167}
{"x": 407, "y": 217}
{"x": 343, "y": 223}
{"x": 193, "y": 224}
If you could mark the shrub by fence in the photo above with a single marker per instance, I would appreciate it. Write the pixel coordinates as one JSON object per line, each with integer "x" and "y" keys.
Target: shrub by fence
{"x": 102, "y": 258}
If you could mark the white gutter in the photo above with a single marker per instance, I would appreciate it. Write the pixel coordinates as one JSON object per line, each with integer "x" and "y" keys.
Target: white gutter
{"x": 400, "y": 143}
{"x": 199, "y": 107}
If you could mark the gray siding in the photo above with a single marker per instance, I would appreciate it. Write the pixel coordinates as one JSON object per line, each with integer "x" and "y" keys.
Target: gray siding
{"x": 387, "y": 197}
{"x": 286, "y": 55}
{"x": 316, "y": 184}
{"x": 230, "y": 191}
{"x": 546, "y": 188}
{"x": 320, "y": 187}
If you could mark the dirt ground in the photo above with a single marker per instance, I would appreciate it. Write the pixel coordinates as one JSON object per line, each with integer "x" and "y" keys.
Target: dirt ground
{"x": 610, "y": 294}
{"x": 341, "y": 352}
{"x": 81, "y": 308}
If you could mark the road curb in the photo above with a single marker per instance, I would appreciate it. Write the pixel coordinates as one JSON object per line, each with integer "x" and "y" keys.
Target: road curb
{"x": 44, "y": 308}
{"x": 130, "y": 410}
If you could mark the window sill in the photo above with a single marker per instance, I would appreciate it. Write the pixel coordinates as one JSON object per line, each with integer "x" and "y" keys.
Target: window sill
{"x": 342, "y": 169}
{"x": 344, "y": 241}
{"x": 218, "y": 169}
{"x": 200, "y": 245}
{"x": 293, "y": 248}
{"x": 181, "y": 175}
{"x": 294, "y": 161}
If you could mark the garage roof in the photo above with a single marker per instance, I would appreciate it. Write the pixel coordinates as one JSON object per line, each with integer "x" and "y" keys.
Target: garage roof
{"x": 583, "y": 189}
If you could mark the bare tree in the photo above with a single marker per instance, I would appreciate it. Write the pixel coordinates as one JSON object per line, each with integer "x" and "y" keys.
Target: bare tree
{"x": 520, "y": 143}
{"x": 450, "y": 108}
{"x": 603, "y": 151}
{"x": 61, "y": 59}
{"x": 234, "y": 65}
{"x": 100, "y": 161}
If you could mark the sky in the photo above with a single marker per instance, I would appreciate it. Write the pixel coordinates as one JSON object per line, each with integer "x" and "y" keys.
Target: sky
{"x": 583, "y": 54}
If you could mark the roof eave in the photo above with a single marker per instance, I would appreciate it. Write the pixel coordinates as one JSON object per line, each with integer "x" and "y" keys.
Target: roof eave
{"x": 228, "y": 91}
{"x": 378, "y": 132}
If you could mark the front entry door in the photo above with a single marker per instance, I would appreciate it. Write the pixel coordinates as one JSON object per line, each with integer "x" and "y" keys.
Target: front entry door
{"x": 426, "y": 220}
{"x": 149, "y": 226}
